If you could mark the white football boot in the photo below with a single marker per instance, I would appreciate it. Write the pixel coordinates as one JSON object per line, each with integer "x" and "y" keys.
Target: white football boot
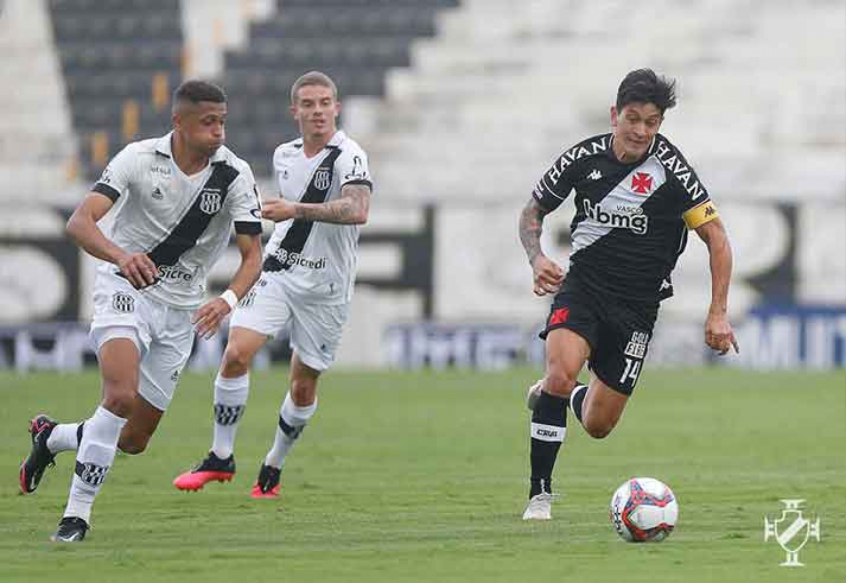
{"x": 540, "y": 507}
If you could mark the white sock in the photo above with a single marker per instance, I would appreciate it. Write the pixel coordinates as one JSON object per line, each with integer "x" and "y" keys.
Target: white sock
{"x": 64, "y": 437}
{"x": 93, "y": 460}
{"x": 577, "y": 399}
{"x": 230, "y": 400}
{"x": 292, "y": 421}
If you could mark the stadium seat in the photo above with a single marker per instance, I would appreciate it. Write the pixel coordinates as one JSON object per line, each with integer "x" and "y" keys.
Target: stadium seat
{"x": 111, "y": 51}
{"x": 494, "y": 74}
{"x": 358, "y": 45}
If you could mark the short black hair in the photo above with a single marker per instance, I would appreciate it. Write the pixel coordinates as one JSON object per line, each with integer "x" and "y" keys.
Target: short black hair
{"x": 644, "y": 86}
{"x": 195, "y": 91}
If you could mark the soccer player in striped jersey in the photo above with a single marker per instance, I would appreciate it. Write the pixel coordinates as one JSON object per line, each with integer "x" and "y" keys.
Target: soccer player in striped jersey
{"x": 306, "y": 285}
{"x": 173, "y": 202}
{"x": 636, "y": 197}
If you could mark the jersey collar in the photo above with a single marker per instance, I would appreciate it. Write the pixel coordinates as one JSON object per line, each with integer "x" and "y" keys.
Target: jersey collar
{"x": 333, "y": 143}
{"x": 336, "y": 140}
{"x": 163, "y": 145}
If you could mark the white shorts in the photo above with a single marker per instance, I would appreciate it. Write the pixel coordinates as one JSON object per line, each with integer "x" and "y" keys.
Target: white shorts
{"x": 315, "y": 329}
{"x": 163, "y": 334}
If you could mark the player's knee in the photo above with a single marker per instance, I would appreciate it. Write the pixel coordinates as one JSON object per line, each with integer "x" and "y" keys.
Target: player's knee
{"x": 303, "y": 392}
{"x": 598, "y": 429}
{"x": 236, "y": 361}
{"x": 120, "y": 400}
{"x": 559, "y": 384}
{"x": 133, "y": 444}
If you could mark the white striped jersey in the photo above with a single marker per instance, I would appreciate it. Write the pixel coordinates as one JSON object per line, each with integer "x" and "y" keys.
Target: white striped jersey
{"x": 317, "y": 259}
{"x": 182, "y": 222}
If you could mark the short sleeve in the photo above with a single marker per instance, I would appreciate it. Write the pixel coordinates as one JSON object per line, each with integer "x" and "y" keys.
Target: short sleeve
{"x": 245, "y": 203}
{"x": 115, "y": 179}
{"x": 555, "y": 185}
{"x": 688, "y": 191}
{"x": 352, "y": 167}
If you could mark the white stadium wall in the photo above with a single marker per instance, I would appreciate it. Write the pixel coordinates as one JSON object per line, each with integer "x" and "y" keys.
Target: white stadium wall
{"x": 461, "y": 270}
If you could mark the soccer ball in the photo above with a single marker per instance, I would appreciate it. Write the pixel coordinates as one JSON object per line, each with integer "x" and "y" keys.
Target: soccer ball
{"x": 644, "y": 510}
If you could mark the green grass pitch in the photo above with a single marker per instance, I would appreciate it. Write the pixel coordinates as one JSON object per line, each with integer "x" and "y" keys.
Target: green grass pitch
{"x": 423, "y": 477}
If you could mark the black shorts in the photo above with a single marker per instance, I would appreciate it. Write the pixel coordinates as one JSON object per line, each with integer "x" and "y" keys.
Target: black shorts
{"x": 618, "y": 332}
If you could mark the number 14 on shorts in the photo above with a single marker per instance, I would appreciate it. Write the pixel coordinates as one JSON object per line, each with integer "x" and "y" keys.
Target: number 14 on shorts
{"x": 631, "y": 371}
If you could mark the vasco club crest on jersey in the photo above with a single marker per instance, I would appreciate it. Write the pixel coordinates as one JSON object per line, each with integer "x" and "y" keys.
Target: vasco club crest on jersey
{"x": 642, "y": 182}
{"x": 210, "y": 200}
{"x": 123, "y": 302}
{"x": 322, "y": 179}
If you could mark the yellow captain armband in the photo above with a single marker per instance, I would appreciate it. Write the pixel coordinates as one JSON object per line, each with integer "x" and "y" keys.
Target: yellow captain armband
{"x": 699, "y": 215}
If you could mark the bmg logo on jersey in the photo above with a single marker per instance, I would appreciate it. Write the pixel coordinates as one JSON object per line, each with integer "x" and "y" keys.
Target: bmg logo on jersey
{"x": 210, "y": 200}
{"x": 123, "y": 302}
{"x": 618, "y": 219}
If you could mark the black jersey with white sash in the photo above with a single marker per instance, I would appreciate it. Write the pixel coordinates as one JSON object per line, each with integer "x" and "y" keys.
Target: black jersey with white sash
{"x": 631, "y": 219}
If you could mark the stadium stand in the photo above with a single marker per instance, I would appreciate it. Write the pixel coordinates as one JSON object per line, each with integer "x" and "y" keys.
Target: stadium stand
{"x": 37, "y": 144}
{"x": 358, "y": 44}
{"x": 121, "y": 60}
{"x": 457, "y": 103}
{"x": 526, "y": 83}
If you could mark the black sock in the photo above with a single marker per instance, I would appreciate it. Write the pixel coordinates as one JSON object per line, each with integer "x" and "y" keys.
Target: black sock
{"x": 549, "y": 425}
{"x": 577, "y": 399}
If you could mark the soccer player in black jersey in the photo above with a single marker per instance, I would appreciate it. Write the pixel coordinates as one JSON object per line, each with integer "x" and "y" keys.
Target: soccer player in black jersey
{"x": 636, "y": 196}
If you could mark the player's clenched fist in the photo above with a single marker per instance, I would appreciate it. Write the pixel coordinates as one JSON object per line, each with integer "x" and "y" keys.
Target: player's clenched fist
{"x": 139, "y": 269}
{"x": 207, "y": 319}
{"x": 278, "y": 210}
{"x": 548, "y": 275}
{"x": 719, "y": 335}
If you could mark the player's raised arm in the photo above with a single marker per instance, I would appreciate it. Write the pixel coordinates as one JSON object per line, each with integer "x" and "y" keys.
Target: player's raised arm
{"x": 718, "y": 331}
{"x": 82, "y": 229}
{"x": 548, "y": 275}
{"x": 351, "y": 208}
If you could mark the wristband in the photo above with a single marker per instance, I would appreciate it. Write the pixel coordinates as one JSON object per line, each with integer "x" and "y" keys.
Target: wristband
{"x": 230, "y": 298}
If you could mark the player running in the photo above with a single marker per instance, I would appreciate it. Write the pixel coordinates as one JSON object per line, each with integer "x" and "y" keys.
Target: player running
{"x": 175, "y": 200}
{"x": 306, "y": 284}
{"x": 636, "y": 196}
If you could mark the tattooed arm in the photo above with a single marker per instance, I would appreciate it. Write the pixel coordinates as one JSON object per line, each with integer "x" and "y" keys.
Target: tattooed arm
{"x": 531, "y": 225}
{"x": 351, "y": 208}
{"x": 548, "y": 276}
